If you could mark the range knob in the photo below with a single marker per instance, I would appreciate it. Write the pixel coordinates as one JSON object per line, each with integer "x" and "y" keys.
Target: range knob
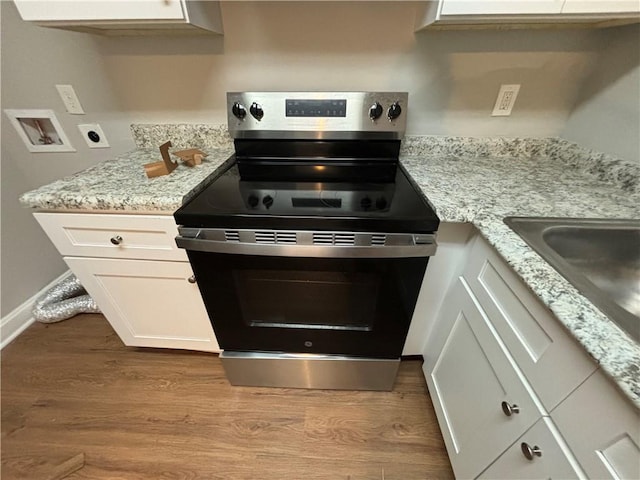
{"x": 239, "y": 111}
{"x": 253, "y": 200}
{"x": 365, "y": 203}
{"x": 375, "y": 111}
{"x": 256, "y": 110}
{"x": 267, "y": 201}
{"x": 394, "y": 111}
{"x": 381, "y": 203}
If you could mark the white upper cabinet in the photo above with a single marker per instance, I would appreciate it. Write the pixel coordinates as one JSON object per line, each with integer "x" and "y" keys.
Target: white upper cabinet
{"x": 500, "y": 7}
{"x": 526, "y": 12}
{"x": 124, "y": 17}
{"x": 601, "y": 6}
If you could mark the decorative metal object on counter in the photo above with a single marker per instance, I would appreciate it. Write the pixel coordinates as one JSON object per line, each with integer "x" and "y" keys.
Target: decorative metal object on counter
{"x": 65, "y": 300}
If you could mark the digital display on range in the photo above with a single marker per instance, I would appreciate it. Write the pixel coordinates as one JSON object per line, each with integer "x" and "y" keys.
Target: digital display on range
{"x": 316, "y": 108}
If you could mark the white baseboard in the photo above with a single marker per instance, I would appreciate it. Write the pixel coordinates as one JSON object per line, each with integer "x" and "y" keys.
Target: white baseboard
{"x": 21, "y": 317}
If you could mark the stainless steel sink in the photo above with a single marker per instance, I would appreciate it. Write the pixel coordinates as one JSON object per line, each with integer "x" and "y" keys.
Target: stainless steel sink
{"x": 601, "y": 258}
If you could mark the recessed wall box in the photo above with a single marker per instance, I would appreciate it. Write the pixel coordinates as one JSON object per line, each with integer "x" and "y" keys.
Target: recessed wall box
{"x": 40, "y": 130}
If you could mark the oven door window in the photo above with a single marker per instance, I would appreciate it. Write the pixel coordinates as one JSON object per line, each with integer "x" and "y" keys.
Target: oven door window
{"x": 343, "y": 306}
{"x": 313, "y": 300}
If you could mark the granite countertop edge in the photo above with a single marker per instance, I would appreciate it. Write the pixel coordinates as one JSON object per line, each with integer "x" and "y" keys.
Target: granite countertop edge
{"x": 89, "y": 191}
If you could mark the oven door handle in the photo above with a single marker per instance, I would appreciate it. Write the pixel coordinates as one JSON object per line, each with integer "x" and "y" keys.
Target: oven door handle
{"x": 422, "y": 246}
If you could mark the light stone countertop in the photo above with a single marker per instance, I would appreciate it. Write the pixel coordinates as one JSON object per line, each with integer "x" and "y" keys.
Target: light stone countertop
{"x": 466, "y": 180}
{"x": 121, "y": 185}
{"x": 484, "y": 190}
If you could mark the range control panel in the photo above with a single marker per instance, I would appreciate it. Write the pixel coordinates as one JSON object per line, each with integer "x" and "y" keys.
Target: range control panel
{"x": 317, "y": 115}
{"x": 293, "y": 199}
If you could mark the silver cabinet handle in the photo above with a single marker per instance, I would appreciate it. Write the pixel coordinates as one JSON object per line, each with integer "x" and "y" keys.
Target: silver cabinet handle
{"x": 530, "y": 452}
{"x": 509, "y": 409}
{"x": 191, "y": 279}
{"x": 116, "y": 239}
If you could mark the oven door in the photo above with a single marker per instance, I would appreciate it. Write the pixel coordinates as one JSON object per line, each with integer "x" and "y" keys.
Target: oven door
{"x": 354, "y": 301}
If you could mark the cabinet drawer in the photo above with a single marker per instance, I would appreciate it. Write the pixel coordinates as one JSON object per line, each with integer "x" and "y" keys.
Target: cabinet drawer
{"x": 602, "y": 429}
{"x": 150, "y": 237}
{"x": 470, "y": 376}
{"x": 551, "y": 460}
{"x": 553, "y": 362}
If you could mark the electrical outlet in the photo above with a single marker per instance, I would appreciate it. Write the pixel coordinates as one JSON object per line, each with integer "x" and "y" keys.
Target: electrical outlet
{"x": 70, "y": 99}
{"x": 506, "y": 98}
{"x": 93, "y": 135}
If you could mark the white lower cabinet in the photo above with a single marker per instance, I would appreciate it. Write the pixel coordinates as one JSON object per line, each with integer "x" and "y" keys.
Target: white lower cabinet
{"x": 148, "y": 303}
{"x": 473, "y": 387}
{"x": 602, "y": 428}
{"x": 539, "y": 454}
{"x": 140, "y": 279}
{"x": 515, "y": 396}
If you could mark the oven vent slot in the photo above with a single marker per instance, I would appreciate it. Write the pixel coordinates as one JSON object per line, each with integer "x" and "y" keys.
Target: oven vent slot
{"x": 286, "y": 237}
{"x": 328, "y": 238}
{"x": 345, "y": 239}
{"x": 265, "y": 237}
{"x": 378, "y": 239}
{"x": 322, "y": 238}
{"x": 232, "y": 235}
{"x": 271, "y": 237}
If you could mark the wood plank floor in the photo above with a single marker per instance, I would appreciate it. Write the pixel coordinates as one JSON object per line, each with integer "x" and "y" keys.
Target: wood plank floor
{"x": 73, "y": 387}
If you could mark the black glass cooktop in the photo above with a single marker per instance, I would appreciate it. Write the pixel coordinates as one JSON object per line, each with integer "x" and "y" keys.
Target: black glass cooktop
{"x": 233, "y": 201}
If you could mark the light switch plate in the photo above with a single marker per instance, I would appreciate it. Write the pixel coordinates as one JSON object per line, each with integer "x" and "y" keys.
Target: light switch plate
{"x": 93, "y": 135}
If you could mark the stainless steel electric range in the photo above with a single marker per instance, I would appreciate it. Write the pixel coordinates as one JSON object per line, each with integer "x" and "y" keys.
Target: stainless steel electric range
{"x": 310, "y": 248}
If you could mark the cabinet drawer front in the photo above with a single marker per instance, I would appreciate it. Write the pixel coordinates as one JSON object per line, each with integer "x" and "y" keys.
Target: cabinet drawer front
{"x": 469, "y": 377}
{"x": 552, "y": 460}
{"x": 553, "y": 362}
{"x": 149, "y": 237}
{"x": 602, "y": 429}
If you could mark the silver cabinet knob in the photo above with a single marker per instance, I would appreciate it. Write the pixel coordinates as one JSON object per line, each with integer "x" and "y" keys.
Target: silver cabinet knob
{"x": 530, "y": 452}
{"x": 509, "y": 409}
{"x": 191, "y": 279}
{"x": 116, "y": 239}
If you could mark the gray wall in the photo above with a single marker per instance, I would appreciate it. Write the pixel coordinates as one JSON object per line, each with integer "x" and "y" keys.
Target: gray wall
{"x": 452, "y": 79}
{"x": 33, "y": 60}
{"x": 606, "y": 116}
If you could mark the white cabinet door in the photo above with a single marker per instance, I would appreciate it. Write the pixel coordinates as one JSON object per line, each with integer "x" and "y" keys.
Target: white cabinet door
{"x": 602, "y": 429}
{"x": 535, "y": 338}
{"x": 601, "y": 6}
{"x": 500, "y": 7}
{"x": 94, "y": 10}
{"x": 469, "y": 377}
{"x": 148, "y": 303}
{"x": 548, "y": 460}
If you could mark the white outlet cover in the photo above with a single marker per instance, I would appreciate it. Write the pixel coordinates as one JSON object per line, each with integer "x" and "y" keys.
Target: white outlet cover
{"x": 86, "y": 128}
{"x": 70, "y": 99}
{"x": 506, "y": 100}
